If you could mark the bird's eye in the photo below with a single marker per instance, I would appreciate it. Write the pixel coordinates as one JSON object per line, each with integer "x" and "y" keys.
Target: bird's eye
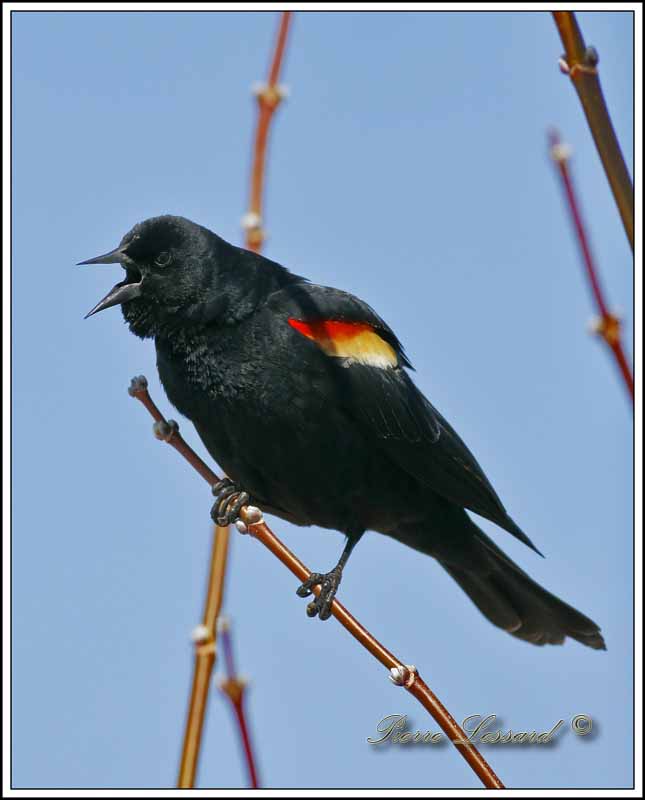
{"x": 163, "y": 259}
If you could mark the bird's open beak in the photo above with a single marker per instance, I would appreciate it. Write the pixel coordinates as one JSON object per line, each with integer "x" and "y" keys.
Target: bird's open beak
{"x": 123, "y": 291}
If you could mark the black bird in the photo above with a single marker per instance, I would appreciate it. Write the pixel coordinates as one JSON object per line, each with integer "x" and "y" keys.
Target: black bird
{"x": 302, "y": 395}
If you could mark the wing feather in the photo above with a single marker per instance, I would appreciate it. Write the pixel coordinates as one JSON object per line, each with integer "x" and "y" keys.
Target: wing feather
{"x": 385, "y": 402}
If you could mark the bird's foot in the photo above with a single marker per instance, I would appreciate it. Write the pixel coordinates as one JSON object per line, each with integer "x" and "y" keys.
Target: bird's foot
{"x": 230, "y": 501}
{"x": 329, "y": 582}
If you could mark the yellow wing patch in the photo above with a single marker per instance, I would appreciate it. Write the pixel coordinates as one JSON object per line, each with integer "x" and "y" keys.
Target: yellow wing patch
{"x": 355, "y": 341}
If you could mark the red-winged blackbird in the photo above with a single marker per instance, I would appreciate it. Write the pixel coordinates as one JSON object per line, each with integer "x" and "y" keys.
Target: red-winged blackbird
{"x": 301, "y": 394}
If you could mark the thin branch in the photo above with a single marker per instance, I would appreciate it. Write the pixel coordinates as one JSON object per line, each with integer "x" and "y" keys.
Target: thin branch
{"x": 234, "y": 687}
{"x": 608, "y": 326}
{"x": 204, "y": 635}
{"x": 205, "y": 638}
{"x": 269, "y": 97}
{"x": 580, "y": 63}
{"x": 252, "y": 522}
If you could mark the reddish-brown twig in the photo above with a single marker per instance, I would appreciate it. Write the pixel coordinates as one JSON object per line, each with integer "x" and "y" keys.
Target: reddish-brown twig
{"x": 580, "y": 63}
{"x": 269, "y": 97}
{"x": 608, "y": 326}
{"x": 253, "y": 523}
{"x": 205, "y": 635}
{"x": 234, "y": 687}
{"x": 205, "y": 638}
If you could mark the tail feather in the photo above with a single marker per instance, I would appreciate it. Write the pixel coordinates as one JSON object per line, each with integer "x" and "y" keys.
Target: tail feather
{"x": 512, "y": 600}
{"x": 502, "y": 591}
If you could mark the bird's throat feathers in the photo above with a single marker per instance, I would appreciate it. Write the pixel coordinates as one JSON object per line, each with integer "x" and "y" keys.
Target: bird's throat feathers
{"x": 224, "y": 286}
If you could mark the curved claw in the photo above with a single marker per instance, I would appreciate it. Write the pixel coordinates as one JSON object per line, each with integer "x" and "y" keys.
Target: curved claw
{"x": 307, "y": 587}
{"x": 324, "y": 607}
{"x": 220, "y": 486}
{"x": 229, "y": 503}
{"x": 329, "y": 582}
{"x": 231, "y": 506}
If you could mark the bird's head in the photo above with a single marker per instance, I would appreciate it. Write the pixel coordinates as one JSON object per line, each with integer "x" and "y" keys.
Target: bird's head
{"x": 170, "y": 268}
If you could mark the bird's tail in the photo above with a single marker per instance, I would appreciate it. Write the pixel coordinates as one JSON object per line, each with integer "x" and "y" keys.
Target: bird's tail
{"x": 505, "y": 594}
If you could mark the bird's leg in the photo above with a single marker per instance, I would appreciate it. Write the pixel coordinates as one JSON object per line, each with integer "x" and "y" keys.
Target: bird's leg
{"x": 230, "y": 500}
{"x": 328, "y": 582}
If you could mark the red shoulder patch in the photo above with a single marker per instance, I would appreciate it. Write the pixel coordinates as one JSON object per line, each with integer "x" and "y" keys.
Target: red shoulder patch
{"x": 355, "y": 341}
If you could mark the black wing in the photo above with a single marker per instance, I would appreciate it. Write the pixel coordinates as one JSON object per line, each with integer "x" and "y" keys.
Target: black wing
{"x": 385, "y": 402}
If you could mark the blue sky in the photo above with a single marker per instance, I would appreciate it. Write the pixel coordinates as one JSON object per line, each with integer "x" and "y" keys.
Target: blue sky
{"x": 410, "y": 167}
